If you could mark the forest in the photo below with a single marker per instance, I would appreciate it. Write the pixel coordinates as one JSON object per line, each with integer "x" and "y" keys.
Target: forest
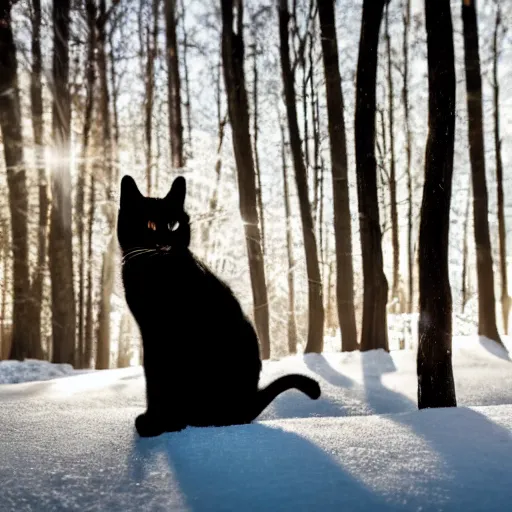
{"x": 346, "y": 164}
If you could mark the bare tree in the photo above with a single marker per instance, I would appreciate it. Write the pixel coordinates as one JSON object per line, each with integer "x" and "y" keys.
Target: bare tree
{"x": 486, "y": 299}
{"x": 342, "y": 221}
{"x": 108, "y": 264}
{"x": 221, "y": 125}
{"x": 434, "y": 366}
{"x": 115, "y": 23}
{"x": 5, "y": 333}
{"x": 175, "y": 124}
{"x": 188, "y": 106}
{"x": 392, "y": 167}
{"x": 320, "y": 181}
{"x": 374, "y": 329}
{"x": 90, "y": 78}
{"x": 381, "y": 144}
{"x": 123, "y": 348}
{"x": 315, "y": 295}
{"x": 36, "y": 97}
{"x": 10, "y": 124}
{"x": 60, "y": 245}
{"x": 89, "y": 307}
{"x": 151, "y": 53}
{"x": 465, "y": 251}
{"x": 408, "y": 151}
{"x": 305, "y": 79}
{"x": 502, "y": 232}
{"x": 318, "y": 162}
{"x": 292, "y": 323}
{"x": 234, "y": 79}
{"x": 259, "y": 193}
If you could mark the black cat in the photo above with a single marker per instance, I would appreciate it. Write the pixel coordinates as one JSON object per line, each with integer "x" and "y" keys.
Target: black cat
{"x": 201, "y": 354}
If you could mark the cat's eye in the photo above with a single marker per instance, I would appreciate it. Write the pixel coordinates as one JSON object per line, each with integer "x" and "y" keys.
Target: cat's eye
{"x": 151, "y": 225}
{"x": 173, "y": 226}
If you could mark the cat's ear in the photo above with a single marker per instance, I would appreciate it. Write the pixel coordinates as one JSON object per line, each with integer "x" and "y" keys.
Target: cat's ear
{"x": 177, "y": 193}
{"x": 130, "y": 193}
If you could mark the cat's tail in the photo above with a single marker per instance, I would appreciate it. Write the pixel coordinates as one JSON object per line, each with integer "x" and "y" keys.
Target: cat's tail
{"x": 264, "y": 396}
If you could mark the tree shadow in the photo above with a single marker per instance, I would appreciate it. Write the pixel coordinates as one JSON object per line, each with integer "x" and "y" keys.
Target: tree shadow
{"x": 294, "y": 404}
{"x": 253, "y": 467}
{"x": 474, "y": 453}
{"x": 379, "y": 398}
{"x": 494, "y": 348}
{"x": 472, "y": 450}
{"x": 318, "y": 364}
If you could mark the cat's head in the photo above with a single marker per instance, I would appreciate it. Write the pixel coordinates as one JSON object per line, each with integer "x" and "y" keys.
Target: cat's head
{"x": 159, "y": 224}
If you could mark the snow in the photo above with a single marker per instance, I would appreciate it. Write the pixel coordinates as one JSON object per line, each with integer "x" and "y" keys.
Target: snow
{"x": 70, "y": 444}
{"x": 13, "y": 372}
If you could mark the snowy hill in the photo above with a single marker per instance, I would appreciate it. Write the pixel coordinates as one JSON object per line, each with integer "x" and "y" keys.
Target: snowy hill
{"x": 70, "y": 444}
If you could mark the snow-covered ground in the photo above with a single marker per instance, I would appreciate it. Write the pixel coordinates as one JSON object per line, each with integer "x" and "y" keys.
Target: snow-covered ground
{"x": 13, "y": 372}
{"x": 70, "y": 444}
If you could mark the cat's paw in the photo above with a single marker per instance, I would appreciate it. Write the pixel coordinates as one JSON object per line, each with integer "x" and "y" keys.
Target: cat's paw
{"x": 151, "y": 426}
{"x": 147, "y": 426}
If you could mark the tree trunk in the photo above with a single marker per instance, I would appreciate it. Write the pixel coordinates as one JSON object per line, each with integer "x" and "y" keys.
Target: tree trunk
{"x": 175, "y": 126}
{"x": 10, "y": 124}
{"x": 259, "y": 194}
{"x": 383, "y": 176}
{"x": 292, "y": 323}
{"x": 329, "y": 311}
{"x": 374, "y": 329}
{"x": 342, "y": 221}
{"x": 36, "y": 97}
{"x": 214, "y": 199}
{"x": 90, "y": 78}
{"x": 320, "y": 176}
{"x": 315, "y": 295}
{"x": 486, "y": 299}
{"x": 123, "y": 353}
{"x": 89, "y": 318}
{"x": 213, "y": 203}
{"x": 434, "y": 365}
{"x": 5, "y": 343}
{"x": 107, "y": 275}
{"x": 408, "y": 154}
{"x": 315, "y": 118}
{"x": 234, "y": 79}
{"x": 187, "y": 82}
{"x": 464, "y": 277}
{"x": 502, "y": 232}
{"x": 150, "y": 89}
{"x": 395, "y": 240}
{"x": 114, "y": 85}
{"x": 158, "y": 140}
{"x": 305, "y": 78}
{"x": 60, "y": 246}
{"x": 107, "y": 285}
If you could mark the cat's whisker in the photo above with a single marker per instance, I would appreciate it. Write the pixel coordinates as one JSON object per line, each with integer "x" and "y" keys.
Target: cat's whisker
{"x": 134, "y": 250}
{"x": 151, "y": 253}
{"x": 131, "y": 253}
{"x": 134, "y": 254}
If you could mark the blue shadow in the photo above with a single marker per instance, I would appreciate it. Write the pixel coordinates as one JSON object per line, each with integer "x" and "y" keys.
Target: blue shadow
{"x": 254, "y": 467}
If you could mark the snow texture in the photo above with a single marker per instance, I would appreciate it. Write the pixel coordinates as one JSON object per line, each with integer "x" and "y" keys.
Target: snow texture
{"x": 70, "y": 444}
{"x": 13, "y": 372}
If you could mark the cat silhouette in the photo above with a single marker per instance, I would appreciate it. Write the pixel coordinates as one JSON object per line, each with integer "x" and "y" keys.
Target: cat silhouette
{"x": 201, "y": 354}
